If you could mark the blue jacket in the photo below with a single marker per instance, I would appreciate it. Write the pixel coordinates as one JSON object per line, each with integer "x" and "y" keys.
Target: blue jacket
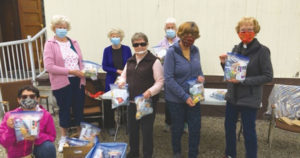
{"x": 178, "y": 70}
{"x": 108, "y": 64}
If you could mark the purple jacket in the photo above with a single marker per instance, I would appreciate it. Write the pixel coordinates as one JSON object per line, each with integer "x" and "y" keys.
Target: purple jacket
{"x": 54, "y": 64}
{"x": 16, "y": 149}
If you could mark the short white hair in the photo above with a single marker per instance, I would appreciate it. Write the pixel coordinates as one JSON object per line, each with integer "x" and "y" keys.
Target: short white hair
{"x": 171, "y": 20}
{"x": 60, "y": 19}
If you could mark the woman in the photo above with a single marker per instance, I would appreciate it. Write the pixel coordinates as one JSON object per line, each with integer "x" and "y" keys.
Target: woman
{"x": 28, "y": 98}
{"x": 245, "y": 97}
{"x": 63, "y": 61}
{"x": 182, "y": 63}
{"x": 170, "y": 38}
{"x": 113, "y": 62}
{"x": 144, "y": 75}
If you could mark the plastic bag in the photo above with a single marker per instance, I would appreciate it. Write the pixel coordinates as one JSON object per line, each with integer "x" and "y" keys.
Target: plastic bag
{"x": 143, "y": 106}
{"x": 160, "y": 52}
{"x": 26, "y": 123}
{"x": 91, "y": 69}
{"x": 196, "y": 90}
{"x": 120, "y": 96}
{"x": 286, "y": 99}
{"x": 219, "y": 95}
{"x": 235, "y": 67}
{"x": 77, "y": 142}
{"x": 88, "y": 131}
{"x": 108, "y": 150}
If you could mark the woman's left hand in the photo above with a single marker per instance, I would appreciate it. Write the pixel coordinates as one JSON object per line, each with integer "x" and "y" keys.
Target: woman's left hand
{"x": 147, "y": 94}
{"x": 200, "y": 79}
{"x": 233, "y": 81}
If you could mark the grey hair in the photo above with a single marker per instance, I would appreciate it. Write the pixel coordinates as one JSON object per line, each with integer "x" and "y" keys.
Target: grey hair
{"x": 139, "y": 35}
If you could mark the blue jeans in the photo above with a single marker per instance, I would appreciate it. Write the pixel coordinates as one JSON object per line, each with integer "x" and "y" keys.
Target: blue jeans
{"x": 46, "y": 149}
{"x": 248, "y": 116}
{"x": 180, "y": 111}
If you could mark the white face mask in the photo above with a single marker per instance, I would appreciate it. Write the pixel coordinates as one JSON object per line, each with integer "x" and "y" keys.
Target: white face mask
{"x": 140, "y": 52}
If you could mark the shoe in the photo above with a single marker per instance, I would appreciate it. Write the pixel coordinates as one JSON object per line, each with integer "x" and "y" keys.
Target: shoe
{"x": 132, "y": 155}
{"x": 167, "y": 128}
{"x": 186, "y": 129}
{"x": 111, "y": 132}
{"x": 227, "y": 157}
{"x": 61, "y": 144}
{"x": 178, "y": 155}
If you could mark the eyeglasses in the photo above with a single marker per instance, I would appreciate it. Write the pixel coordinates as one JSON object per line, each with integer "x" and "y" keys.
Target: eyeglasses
{"x": 32, "y": 96}
{"x": 139, "y": 44}
{"x": 246, "y": 30}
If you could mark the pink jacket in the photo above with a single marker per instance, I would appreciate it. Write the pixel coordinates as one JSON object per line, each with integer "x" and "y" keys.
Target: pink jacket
{"x": 54, "y": 64}
{"x": 16, "y": 149}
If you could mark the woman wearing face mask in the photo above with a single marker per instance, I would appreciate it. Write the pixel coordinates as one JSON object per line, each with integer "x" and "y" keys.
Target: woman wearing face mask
{"x": 28, "y": 98}
{"x": 113, "y": 62}
{"x": 182, "y": 63}
{"x": 170, "y": 30}
{"x": 245, "y": 97}
{"x": 63, "y": 61}
{"x": 144, "y": 75}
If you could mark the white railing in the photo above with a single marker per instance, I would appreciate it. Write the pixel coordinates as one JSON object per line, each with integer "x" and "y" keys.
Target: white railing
{"x": 22, "y": 59}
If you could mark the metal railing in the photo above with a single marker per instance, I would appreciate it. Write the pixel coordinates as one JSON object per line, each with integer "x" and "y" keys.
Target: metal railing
{"x": 22, "y": 59}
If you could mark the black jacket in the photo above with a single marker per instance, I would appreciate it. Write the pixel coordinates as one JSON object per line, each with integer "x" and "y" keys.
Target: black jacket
{"x": 259, "y": 71}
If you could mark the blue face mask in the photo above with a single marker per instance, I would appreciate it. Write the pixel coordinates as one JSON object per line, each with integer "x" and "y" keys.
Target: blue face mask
{"x": 115, "y": 40}
{"x": 170, "y": 33}
{"x": 61, "y": 33}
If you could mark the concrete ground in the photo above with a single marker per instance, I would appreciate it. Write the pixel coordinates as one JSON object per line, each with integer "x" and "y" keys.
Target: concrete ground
{"x": 285, "y": 144}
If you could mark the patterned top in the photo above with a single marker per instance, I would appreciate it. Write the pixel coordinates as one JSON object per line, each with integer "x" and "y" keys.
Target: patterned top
{"x": 70, "y": 57}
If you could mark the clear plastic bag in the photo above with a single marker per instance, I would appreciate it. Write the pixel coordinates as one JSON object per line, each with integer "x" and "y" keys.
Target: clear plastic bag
{"x": 26, "y": 123}
{"x": 77, "y": 142}
{"x": 108, "y": 150}
{"x": 286, "y": 99}
{"x": 143, "y": 106}
{"x": 219, "y": 95}
{"x": 160, "y": 52}
{"x": 91, "y": 69}
{"x": 88, "y": 131}
{"x": 196, "y": 90}
{"x": 235, "y": 67}
{"x": 120, "y": 96}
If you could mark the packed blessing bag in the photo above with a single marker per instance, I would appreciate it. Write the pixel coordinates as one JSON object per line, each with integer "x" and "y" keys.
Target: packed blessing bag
{"x": 160, "y": 52}
{"x": 196, "y": 90}
{"x": 88, "y": 131}
{"x": 90, "y": 69}
{"x": 26, "y": 123}
{"x": 77, "y": 142}
{"x": 235, "y": 67}
{"x": 108, "y": 150}
{"x": 143, "y": 106}
{"x": 120, "y": 96}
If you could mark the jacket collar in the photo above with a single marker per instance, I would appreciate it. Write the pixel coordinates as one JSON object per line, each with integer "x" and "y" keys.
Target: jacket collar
{"x": 54, "y": 40}
{"x": 252, "y": 47}
{"x": 178, "y": 50}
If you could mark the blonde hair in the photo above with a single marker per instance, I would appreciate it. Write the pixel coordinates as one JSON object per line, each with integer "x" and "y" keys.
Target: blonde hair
{"x": 247, "y": 20}
{"x": 188, "y": 27}
{"x": 116, "y": 31}
{"x": 60, "y": 19}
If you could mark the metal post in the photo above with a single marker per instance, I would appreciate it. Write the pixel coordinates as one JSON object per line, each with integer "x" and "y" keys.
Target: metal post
{"x": 31, "y": 59}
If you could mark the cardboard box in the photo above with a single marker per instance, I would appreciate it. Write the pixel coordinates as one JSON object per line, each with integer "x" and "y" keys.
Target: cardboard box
{"x": 76, "y": 151}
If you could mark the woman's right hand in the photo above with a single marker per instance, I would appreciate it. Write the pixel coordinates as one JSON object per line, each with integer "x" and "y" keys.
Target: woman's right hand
{"x": 121, "y": 84}
{"x": 223, "y": 57}
{"x": 10, "y": 122}
{"x": 190, "y": 102}
{"x": 77, "y": 73}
